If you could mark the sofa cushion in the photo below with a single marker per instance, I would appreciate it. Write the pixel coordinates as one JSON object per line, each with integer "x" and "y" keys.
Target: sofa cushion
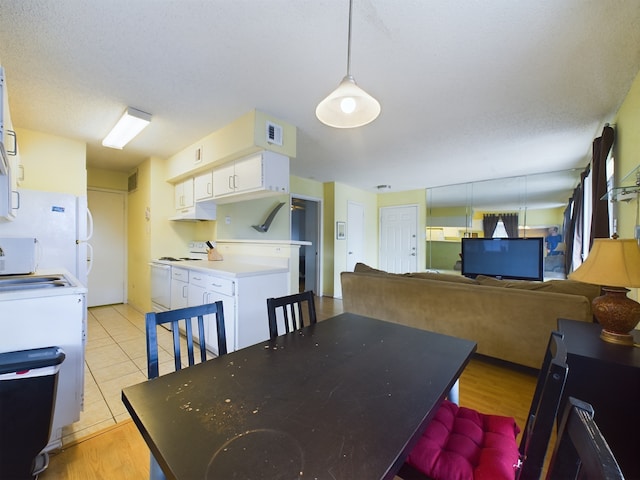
{"x": 570, "y": 287}
{"x": 443, "y": 277}
{"x": 363, "y": 268}
{"x": 461, "y": 443}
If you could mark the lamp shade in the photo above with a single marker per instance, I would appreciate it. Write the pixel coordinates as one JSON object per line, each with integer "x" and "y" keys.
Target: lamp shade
{"x": 611, "y": 262}
{"x": 348, "y": 106}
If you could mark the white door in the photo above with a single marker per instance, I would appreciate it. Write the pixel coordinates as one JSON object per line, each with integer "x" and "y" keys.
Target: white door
{"x": 398, "y": 239}
{"x": 355, "y": 235}
{"x": 106, "y": 283}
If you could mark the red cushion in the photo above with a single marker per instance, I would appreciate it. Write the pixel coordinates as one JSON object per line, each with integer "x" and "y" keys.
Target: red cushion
{"x": 463, "y": 444}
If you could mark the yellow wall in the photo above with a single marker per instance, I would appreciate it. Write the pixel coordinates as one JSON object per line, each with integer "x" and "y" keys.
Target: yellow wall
{"x": 243, "y": 136}
{"x": 626, "y": 151}
{"x": 107, "y": 179}
{"x": 306, "y": 187}
{"x": 150, "y": 233}
{"x": 343, "y": 194}
{"x": 328, "y": 238}
{"x": 243, "y": 215}
{"x": 52, "y": 163}
{"x": 543, "y": 217}
{"x": 139, "y": 241}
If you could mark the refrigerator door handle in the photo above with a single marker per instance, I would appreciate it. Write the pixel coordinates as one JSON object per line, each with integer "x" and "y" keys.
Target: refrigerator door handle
{"x": 89, "y": 257}
{"x": 89, "y": 225}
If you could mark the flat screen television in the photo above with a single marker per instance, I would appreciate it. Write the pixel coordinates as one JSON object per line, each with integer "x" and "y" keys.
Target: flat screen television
{"x": 514, "y": 258}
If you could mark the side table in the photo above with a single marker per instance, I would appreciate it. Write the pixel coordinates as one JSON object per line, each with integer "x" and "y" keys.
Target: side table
{"x": 608, "y": 377}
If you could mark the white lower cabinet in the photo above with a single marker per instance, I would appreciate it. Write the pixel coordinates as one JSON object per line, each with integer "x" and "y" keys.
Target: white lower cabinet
{"x": 204, "y": 289}
{"x": 179, "y": 287}
{"x": 244, "y": 300}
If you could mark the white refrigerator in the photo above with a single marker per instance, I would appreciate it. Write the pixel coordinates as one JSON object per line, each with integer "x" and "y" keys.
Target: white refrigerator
{"x": 62, "y": 226}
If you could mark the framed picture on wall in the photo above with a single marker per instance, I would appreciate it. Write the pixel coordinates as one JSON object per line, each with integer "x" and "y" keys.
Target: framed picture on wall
{"x": 341, "y": 230}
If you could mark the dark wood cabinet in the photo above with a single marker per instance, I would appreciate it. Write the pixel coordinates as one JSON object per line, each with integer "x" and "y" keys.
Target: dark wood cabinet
{"x": 608, "y": 377}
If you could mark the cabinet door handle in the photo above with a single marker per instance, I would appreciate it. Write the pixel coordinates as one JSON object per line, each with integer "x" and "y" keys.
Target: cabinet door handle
{"x": 14, "y": 152}
{"x": 235, "y": 184}
{"x": 230, "y": 182}
{"x": 184, "y": 291}
{"x": 209, "y": 189}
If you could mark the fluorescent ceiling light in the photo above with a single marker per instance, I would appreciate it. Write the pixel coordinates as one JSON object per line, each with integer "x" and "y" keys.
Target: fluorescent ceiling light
{"x": 130, "y": 125}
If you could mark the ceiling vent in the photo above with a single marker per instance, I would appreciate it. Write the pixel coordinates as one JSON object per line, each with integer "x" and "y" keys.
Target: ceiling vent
{"x": 274, "y": 133}
{"x": 132, "y": 182}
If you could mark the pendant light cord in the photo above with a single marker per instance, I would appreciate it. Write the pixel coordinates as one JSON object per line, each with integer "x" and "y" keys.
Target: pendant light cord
{"x": 349, "y": 41}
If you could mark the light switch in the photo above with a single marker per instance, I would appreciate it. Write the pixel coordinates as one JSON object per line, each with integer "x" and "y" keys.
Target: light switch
{"x": 227, "y": 220}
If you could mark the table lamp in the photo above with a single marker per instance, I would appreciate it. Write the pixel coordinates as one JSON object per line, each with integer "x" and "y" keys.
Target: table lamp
{"x": 614, "y": 264}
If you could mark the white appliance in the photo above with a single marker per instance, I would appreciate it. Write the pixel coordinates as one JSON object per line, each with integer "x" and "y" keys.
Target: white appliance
{"x": 43, "y": 310}
{"x": 61, "y": 223}
{"x": 17, "y": 255}
{"x": 160, "y": 286}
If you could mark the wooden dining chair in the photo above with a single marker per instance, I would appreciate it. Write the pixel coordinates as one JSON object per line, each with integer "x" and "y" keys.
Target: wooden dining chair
{"x": 464, "y": 443}
{"x": 185, "y": 317}
{"x": 291, "y": 308}
{"x": 581, "y": 450}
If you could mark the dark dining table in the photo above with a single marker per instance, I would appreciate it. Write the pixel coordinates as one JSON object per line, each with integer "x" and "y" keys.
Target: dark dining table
{"x": 346, "y": 398}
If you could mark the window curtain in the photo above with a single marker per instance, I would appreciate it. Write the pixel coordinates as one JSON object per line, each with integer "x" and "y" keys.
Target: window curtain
{"x": 489, "y": 222}
{"x": 600, "y": 209}
{"x": 574, "y": 256}
{"x": 510, "y": 221}
{"x": 567, "y": 235}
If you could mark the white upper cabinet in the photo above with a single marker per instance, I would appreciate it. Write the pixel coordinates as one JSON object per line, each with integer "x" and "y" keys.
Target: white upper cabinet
{"x": 262, "y": 174}
{"x": 203, "y": 186}
{"x": 184, "y": 194}
{"x": 9, "y": 160}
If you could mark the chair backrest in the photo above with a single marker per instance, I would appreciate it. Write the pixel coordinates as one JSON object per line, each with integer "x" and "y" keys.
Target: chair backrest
{"x": 292, "y": 310}
{"x": 581, "y": 449}
{"x": 544, "y": 408}
{"x": 186, "y": 317}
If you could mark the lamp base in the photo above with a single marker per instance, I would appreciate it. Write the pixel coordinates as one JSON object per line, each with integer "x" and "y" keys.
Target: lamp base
{"x": 617, "y": 314}
{"x": 617, "y": 338}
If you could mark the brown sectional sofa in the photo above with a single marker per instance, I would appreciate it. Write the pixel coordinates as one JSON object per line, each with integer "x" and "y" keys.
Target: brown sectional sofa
{"x": 509, "y": 320}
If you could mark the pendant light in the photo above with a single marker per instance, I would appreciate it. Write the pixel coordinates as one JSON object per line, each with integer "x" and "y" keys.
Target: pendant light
{"x": 348, "y": 106}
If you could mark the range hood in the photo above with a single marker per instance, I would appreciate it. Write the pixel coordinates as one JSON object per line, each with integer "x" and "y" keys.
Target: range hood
{"x": 201, "y": 211}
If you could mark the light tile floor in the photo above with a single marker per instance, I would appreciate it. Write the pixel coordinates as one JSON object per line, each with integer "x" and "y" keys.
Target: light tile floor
{"x": 116, "y": 357}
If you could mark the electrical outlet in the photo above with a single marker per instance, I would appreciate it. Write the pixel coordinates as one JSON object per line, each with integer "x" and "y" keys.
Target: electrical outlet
{"x": 637, "y": 236}
{"x": 227, "y": 220}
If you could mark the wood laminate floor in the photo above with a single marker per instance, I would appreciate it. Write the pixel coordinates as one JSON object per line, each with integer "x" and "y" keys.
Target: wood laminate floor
{"x": 116, "y": 450}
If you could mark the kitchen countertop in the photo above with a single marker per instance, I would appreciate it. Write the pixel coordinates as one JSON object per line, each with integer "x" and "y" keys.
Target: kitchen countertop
{"x": 268, "y": 242}
{"x": 231, "y": 268}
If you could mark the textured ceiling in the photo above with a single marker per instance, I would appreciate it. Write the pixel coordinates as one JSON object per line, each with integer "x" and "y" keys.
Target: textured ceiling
{"x": 470, "y": 90}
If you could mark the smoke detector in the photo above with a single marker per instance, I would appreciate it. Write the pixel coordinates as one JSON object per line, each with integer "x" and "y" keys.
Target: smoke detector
{"x": 383, "y": 188}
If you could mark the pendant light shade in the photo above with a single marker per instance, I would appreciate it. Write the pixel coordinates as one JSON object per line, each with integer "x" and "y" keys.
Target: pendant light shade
{"x": 348, "y": 106}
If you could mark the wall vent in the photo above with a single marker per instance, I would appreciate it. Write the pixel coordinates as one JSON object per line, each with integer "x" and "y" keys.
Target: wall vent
{"x": 132, "y": 182}
{"x": 274, "y": 133}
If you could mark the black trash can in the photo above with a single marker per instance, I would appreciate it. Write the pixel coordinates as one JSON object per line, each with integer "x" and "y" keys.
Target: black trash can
{"x": 28, "y": 383}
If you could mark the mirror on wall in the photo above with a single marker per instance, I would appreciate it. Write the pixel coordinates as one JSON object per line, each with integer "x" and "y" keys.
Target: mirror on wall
{"x": 456, "y": 211}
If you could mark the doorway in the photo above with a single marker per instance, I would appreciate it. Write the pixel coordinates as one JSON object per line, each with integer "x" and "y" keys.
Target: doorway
{"x": 106, "y": 283}
{"x": 305, "y": 226}
{"x": 398, "y": 239}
